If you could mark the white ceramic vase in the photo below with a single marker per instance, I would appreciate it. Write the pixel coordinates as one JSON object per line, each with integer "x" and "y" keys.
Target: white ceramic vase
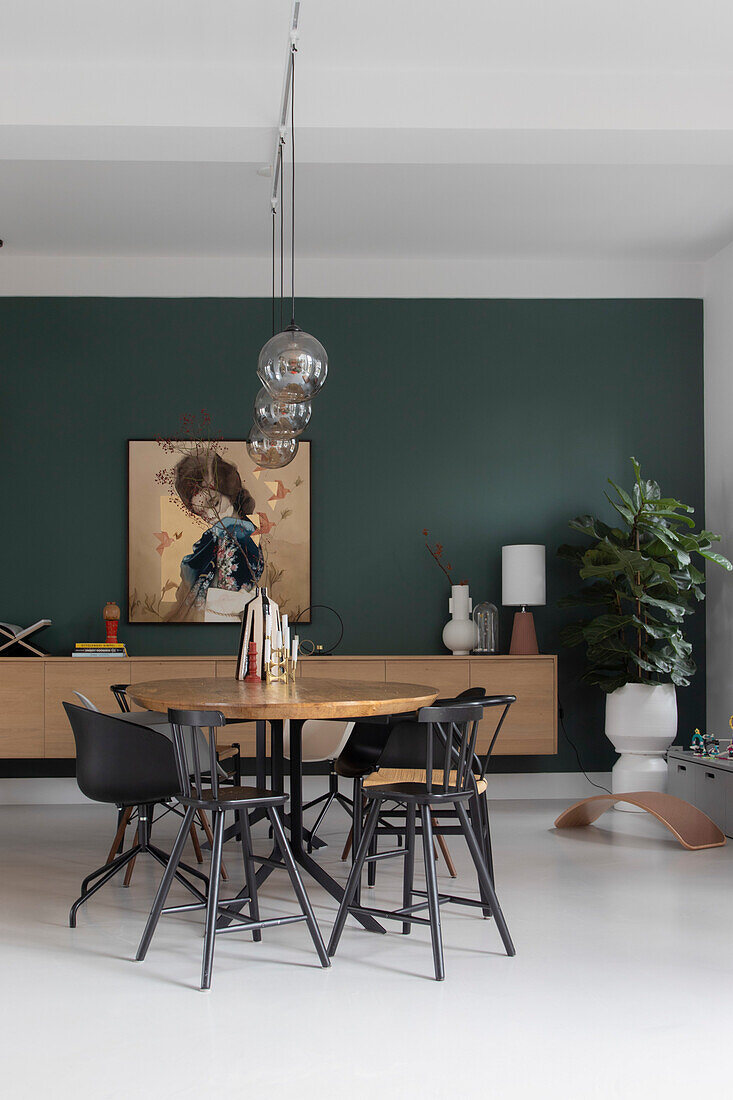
{"x": 459, "y": 633}
{"x": 641, "y": 724}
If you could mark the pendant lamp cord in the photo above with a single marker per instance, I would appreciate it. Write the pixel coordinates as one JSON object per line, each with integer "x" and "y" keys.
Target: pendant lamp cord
{"x": 282, "y": 240}
{"x": 292, "y": 194}
{"x": 273, "y": 269}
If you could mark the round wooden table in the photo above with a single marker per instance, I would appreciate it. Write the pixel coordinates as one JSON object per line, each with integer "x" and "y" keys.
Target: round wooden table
{"x": 299, "y": 699}
{"x": 294, "y": 702}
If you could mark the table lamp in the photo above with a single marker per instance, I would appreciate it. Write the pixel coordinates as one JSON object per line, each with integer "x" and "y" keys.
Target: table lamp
{"x": 523, "y": 585}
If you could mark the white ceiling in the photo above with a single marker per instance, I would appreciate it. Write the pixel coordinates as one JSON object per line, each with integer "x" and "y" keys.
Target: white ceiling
{"x": 523, "y": 130}
{"x": 367, "y": 211}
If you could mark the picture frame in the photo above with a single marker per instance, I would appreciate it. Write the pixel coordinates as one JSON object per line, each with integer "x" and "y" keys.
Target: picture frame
{"x": 184, "y": 563}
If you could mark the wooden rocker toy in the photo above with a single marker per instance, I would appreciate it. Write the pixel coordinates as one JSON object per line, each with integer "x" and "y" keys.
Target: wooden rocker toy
{"x": 691, "y": 827}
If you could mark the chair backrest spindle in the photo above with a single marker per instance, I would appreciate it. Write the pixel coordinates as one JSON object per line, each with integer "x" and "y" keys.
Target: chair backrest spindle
{"x": 194, "y": 736}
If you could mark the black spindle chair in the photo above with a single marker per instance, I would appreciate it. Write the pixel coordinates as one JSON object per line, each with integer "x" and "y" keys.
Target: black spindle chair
{"x": 450, "y": 765}
{"x": 126, "y": 766}
{"x": 403, "y": 759}
{"x": 201, "y": 788}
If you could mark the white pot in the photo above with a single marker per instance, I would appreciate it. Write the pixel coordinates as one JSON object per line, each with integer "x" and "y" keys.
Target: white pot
{"x": 641, "y": 724}
{"x": 460, "y": 632}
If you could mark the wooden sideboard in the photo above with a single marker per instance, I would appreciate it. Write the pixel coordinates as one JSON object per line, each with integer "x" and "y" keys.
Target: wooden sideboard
{"x": 33, "y": 722}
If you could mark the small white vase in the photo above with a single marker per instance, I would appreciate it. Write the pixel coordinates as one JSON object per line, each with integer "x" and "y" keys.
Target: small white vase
{"x": 459, "y": 633}
{"x": 641, "y": 724}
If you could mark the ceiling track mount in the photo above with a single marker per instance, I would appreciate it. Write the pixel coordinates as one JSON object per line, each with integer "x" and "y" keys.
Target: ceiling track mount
{"x": 284, "y": 107}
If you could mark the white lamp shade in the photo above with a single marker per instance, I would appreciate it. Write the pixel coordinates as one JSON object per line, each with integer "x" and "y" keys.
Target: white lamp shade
{"x": 523, "y": 575}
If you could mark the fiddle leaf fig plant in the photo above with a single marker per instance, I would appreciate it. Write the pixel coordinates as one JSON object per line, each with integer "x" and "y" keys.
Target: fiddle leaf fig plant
{"x": 644, "y": 577}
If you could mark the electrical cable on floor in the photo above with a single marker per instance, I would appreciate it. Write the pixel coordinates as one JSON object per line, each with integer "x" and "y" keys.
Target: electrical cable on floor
{"x": 574, "y": 747}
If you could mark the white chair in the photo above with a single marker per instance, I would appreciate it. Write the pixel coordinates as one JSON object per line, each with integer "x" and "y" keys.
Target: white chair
{"x": 322, "y": 741}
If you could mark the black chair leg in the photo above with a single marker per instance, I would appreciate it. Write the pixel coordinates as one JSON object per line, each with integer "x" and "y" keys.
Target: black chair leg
{"x": 409, "y": 867}
{"x": 163, "y": 859}
{"x": 483, "y": 873}
{"x": 432, "y": 891}
{"x": 329, "y": 798}
{"x": 350, "y": 891}
{"x": 212, "y": 902}
{"x": 165, "y": 884}
{"x": 484, "y": 803}
{"x": 357, "y": 825}
{"x": 476, "y": 817}
{"x": 108, "y": 871}
{"x": 372, "y": 868}
{"x": 249, "y": 870}
{"x": 298, "y": 887}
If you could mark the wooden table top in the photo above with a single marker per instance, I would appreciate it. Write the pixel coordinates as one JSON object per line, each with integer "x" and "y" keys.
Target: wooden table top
{"x": 316, "y": 698}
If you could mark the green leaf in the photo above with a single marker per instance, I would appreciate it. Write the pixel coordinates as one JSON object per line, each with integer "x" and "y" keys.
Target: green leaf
{"x": 571, "y": 553}
{"x": 654, "y": 628}
{"x": 606, "y": 681}
{"x": 593, "y": 594}
{"x": 717, "y": 558}
{"x": 572, "y": 634}
{"x": 675, "y": 611}
{"x": 605, "y": 625}
{"x": 674, "y": 505}
{"x": 589, "y": 525}
{"x": 651, "y": 663}
{"x": 622, "y": 493}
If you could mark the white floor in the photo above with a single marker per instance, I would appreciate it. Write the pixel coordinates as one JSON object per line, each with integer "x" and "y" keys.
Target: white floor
{"x": 622, "y": 985}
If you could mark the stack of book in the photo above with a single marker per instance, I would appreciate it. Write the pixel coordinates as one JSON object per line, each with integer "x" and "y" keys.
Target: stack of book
{"x": 99, "y": 649}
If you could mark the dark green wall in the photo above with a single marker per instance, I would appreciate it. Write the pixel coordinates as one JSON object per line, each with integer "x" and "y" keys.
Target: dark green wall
{"x": 485, "y": 421}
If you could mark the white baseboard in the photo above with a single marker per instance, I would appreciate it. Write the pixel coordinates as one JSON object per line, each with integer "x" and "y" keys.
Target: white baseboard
{"x": 530, "y": 785}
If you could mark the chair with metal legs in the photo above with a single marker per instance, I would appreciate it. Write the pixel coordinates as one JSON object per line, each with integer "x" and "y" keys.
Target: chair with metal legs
{"x": 201, "y": 789}
{"x": 127, "y": 815}
{"x": 160, "y": 721}
{"x": 127, "y": 766}
{"x": 448, "y": 735}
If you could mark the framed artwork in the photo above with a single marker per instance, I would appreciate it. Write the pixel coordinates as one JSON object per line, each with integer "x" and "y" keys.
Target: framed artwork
{"x": 207, "y": 526}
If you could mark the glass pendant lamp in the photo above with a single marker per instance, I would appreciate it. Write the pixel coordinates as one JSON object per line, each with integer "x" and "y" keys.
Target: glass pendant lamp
{"x": 271, "y": 454}
{"x": 278, "y": 419}
{"x": 293, "y": 365}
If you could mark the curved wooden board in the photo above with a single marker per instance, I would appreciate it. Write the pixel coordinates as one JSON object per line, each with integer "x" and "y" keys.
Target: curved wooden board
{"x": 312, "y": 698}
{"x": 690, "y": 826}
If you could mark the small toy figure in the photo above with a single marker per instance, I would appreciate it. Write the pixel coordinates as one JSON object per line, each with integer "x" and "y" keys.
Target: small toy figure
{"x": 703, "y": 744}
{"x": 111, "y": 616}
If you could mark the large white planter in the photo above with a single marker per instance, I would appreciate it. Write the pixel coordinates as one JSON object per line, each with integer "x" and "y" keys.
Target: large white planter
{"x": 460, "y": 632}
{"x": 641, "y": 724}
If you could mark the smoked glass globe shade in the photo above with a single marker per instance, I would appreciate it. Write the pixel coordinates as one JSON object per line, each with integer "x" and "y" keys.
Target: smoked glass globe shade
{"x": 271, "y": 454}
{"x": 293, "y": 365}
{"x": 280, "y": 419}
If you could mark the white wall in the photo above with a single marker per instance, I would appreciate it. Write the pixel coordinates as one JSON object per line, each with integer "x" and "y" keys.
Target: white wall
{"x": 248, "y": 276}
{"x": 719, "y": 483}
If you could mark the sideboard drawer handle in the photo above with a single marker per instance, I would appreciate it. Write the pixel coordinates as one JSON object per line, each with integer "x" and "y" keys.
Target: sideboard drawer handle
{"x": 682, "y": 767}
{"x": 710, "y": 775}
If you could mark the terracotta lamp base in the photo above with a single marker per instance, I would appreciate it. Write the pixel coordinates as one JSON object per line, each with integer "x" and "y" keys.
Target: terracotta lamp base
{"x": 524, "y": 638}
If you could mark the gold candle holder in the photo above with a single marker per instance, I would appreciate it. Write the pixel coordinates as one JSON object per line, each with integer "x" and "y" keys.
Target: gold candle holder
{"x": 277, "y": 668}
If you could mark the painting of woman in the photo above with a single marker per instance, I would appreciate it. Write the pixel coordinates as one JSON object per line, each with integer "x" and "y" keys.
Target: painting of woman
{"x": 208, "y": 524}
{"x": 225, "y": 564}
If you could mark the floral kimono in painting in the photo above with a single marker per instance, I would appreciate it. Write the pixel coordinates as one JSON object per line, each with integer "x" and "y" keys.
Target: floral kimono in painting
{"x": 225, "y": 557}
